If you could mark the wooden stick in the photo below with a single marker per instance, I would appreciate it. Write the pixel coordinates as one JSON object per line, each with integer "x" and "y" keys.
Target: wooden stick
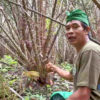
{"x": 11, "y": 89}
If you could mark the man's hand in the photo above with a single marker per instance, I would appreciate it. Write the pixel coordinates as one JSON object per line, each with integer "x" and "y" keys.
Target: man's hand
{"x": 83, "y": 93}
{"x": 64, "y": 74}
{"x": 51, "y": 67}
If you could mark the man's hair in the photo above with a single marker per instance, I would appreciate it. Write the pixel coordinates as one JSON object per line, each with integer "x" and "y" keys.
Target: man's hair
{"x": 89, "y": 35}
{"x": 84, "y": 25}
{"x": 85, "y": 28}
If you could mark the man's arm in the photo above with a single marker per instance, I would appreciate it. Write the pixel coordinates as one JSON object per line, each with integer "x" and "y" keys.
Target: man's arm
{"x": 64, "y": 74}
{"x": 83, "y": 93}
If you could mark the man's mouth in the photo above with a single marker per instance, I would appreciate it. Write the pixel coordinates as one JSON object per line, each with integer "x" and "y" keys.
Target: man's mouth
{"x": 71, "y": 39}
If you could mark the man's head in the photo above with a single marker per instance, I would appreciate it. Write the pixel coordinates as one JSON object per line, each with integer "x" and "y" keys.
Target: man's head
{"x": 77, "y": 27}
{"x": 77, "y": 15}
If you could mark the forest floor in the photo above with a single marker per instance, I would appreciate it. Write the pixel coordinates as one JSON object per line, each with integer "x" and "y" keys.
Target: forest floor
{"x": 13, "y": 77}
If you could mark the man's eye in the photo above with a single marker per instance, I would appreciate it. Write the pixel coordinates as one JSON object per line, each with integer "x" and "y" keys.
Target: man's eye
{"x": 67, "y": 28}
{"x": 75, "y": 26}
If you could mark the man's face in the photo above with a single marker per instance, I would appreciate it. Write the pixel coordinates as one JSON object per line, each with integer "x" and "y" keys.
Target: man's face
{"x": 75, "y": 33}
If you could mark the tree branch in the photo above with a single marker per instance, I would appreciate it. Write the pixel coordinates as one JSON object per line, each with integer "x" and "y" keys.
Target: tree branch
{"x": 54, "y": 39}
{"x": 97, "y": 4}
{"x": 32, "y": 10}
{"x": 49, "y": 31}
{"x": 11, "y": 89}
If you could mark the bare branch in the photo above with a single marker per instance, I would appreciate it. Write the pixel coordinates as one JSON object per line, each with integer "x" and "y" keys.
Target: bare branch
{"x": 16, "y": 46}
{"x": 6, "y": 63}
{"x": 16, "y": 56}
{"x": 49, "y": 31}
{"x": 11, "y": 89}
{"x": 97, "y": 4}
{"x": 53, "y": 41}
{"x": 8, "y": 24}
{"x": 34, "y": 46}
{"x": 39, "y": 13}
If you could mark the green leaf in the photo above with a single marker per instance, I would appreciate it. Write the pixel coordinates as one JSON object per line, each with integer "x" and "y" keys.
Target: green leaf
{"x": 12, "y": 82}
{"x": 4, "y": 70}
{"x": 48, "y": 86}
{"x": 9, "y": 60}
{"x": 47, "y": 23}
{"x": 27, "y": 98}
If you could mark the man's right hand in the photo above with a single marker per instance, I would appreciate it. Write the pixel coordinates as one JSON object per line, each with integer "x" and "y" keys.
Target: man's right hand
{"x": 63, "y": 73}
{"x": 51, "y": 67}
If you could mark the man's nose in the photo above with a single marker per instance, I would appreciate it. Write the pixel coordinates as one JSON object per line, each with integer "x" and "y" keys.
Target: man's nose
{"x": 70, "y": 31}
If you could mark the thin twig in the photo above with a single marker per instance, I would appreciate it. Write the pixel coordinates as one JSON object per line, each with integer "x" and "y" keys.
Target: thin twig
{"x": 96, "y": 3}
{"x": 32, "y": 10}
{"x": 49, "y": 32}
{"x": 34, "y": 46}
{"x": 6, "y": 63}
{"x": 15, "y": 20}
{"x": 16, "y": 93}
{"x": 8, "y": 24}
{"x": 16, "y": 56}
{"x": 18, "y": 49}
{"x": 53, "y": 41}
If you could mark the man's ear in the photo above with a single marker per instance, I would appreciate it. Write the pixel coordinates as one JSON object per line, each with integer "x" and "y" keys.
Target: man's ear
{"x": 87, "y": 29}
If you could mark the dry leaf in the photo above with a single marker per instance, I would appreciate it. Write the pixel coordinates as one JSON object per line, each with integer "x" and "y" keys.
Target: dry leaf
{"x": 32, "y": 74}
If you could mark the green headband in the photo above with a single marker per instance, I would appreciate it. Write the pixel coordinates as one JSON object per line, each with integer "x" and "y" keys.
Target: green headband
{"x": 77, "y": 15}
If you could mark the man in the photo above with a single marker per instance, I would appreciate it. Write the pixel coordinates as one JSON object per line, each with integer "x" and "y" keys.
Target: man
{"x": 86, "y": 73}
